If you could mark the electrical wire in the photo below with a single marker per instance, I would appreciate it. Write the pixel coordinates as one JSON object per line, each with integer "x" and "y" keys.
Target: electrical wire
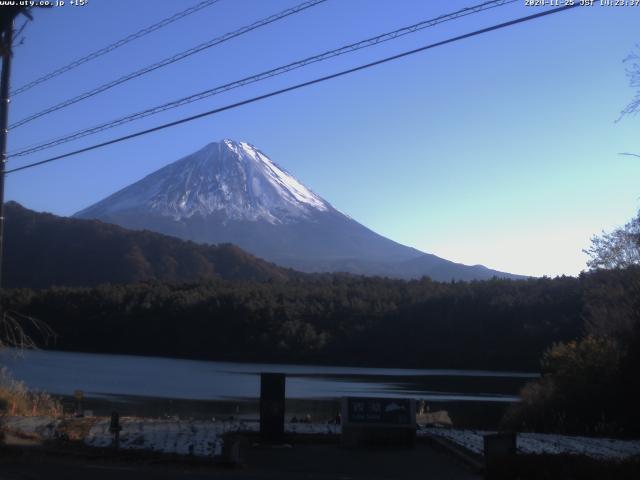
{"x": 261, "y": 76}
{"x": 168, "y": 61}
{"x": 109, "y": 48}
{"x": 296, "y": 87}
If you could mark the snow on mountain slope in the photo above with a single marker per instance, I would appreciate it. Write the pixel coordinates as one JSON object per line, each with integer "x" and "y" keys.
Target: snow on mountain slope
{"x": 228, "y": 177}
{"x": 231, "y": 192}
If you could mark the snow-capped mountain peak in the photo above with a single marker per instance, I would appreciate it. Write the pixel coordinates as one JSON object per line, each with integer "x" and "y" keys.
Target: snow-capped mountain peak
{"x": 227, "y": 178}
{"x": 231, "y": 192}
{"x": 281, "y": 179}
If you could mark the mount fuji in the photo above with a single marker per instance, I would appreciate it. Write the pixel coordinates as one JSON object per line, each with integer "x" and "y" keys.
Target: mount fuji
{"x": 231, "y": 192}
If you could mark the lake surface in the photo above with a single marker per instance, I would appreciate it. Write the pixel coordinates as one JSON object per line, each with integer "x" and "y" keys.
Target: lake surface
{"x": 99, "y": 375}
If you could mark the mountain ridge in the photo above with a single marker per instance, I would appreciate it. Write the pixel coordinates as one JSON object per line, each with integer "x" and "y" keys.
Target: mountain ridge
{"x": 42, "y": 250}
{"x": 231, "y": 192}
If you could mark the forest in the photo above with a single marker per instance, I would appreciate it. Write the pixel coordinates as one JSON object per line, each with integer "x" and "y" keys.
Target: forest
{"x": 582, "y": 334}
{"x": 329, "y": 319}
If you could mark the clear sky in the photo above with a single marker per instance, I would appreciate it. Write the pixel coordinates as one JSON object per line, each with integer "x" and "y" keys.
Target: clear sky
{"x": 501, "y": 149}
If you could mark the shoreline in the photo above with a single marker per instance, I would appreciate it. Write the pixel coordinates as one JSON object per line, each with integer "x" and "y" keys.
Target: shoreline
{"x": 463, "y": 414}
{"x": 393, "y": 371}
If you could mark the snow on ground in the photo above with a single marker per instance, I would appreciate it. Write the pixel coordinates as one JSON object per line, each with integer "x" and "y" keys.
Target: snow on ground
{"x": 201, "y": 438}
{"x": 197, "y": 438}
{"x": 536, "y": 443}
{"x": 40, "y": 427}
{"x": 182, "y": 437}
{"x": 313, "y": 428}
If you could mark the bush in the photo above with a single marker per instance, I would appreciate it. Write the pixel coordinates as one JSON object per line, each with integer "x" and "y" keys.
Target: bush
{"x": 17, "y": 399}
{"x": 578, "y": 393}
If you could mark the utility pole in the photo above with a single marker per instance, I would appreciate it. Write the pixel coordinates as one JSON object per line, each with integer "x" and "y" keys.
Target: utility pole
{"x": 7, "y": 42}
{"x": 7, "y": 15}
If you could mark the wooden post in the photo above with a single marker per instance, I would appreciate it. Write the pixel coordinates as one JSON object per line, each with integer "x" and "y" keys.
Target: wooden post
{"x": 115, "y": 428}
{"x": 79, "y": 396}
{"x": 272, "y": 397}
{"x": 499, "y": 451}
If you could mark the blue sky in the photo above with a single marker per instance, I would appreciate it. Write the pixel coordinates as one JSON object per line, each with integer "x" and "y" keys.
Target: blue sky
{"x": 501, "y": 150}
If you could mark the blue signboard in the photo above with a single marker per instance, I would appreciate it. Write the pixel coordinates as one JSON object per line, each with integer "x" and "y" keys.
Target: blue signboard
{"x": 388, "y": 411}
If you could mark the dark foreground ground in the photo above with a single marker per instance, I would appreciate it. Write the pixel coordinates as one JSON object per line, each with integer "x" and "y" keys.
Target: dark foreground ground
{"x": 305, "y": 461}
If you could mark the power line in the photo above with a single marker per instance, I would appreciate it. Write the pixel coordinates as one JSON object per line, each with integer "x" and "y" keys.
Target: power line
{"x": 296, "y": 87}
{"x": 17, "y": 40}
{"x": 168, "y": 61}
{"x": 115, "y": 45}
{"x": 262, "y": 76}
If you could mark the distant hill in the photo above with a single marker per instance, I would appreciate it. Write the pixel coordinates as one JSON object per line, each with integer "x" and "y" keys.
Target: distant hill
{"x": 43, "y": 250}
{"x": 231, "y": 192}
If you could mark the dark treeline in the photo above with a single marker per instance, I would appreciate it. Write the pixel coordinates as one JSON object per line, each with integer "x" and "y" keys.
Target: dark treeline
{"x": 43, "y": 250}
{"x": 332, "y": 319}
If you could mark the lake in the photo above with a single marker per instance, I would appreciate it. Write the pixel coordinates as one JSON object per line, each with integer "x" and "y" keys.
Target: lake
{"x": 100, "y": 375}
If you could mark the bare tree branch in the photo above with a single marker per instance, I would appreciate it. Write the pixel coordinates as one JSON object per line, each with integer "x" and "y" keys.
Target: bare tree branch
{"x": 617, "y": 249}
{"x": 15, "y": 328}
{"x": 19, "y": 40}
{"x": 632, "y": 63}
